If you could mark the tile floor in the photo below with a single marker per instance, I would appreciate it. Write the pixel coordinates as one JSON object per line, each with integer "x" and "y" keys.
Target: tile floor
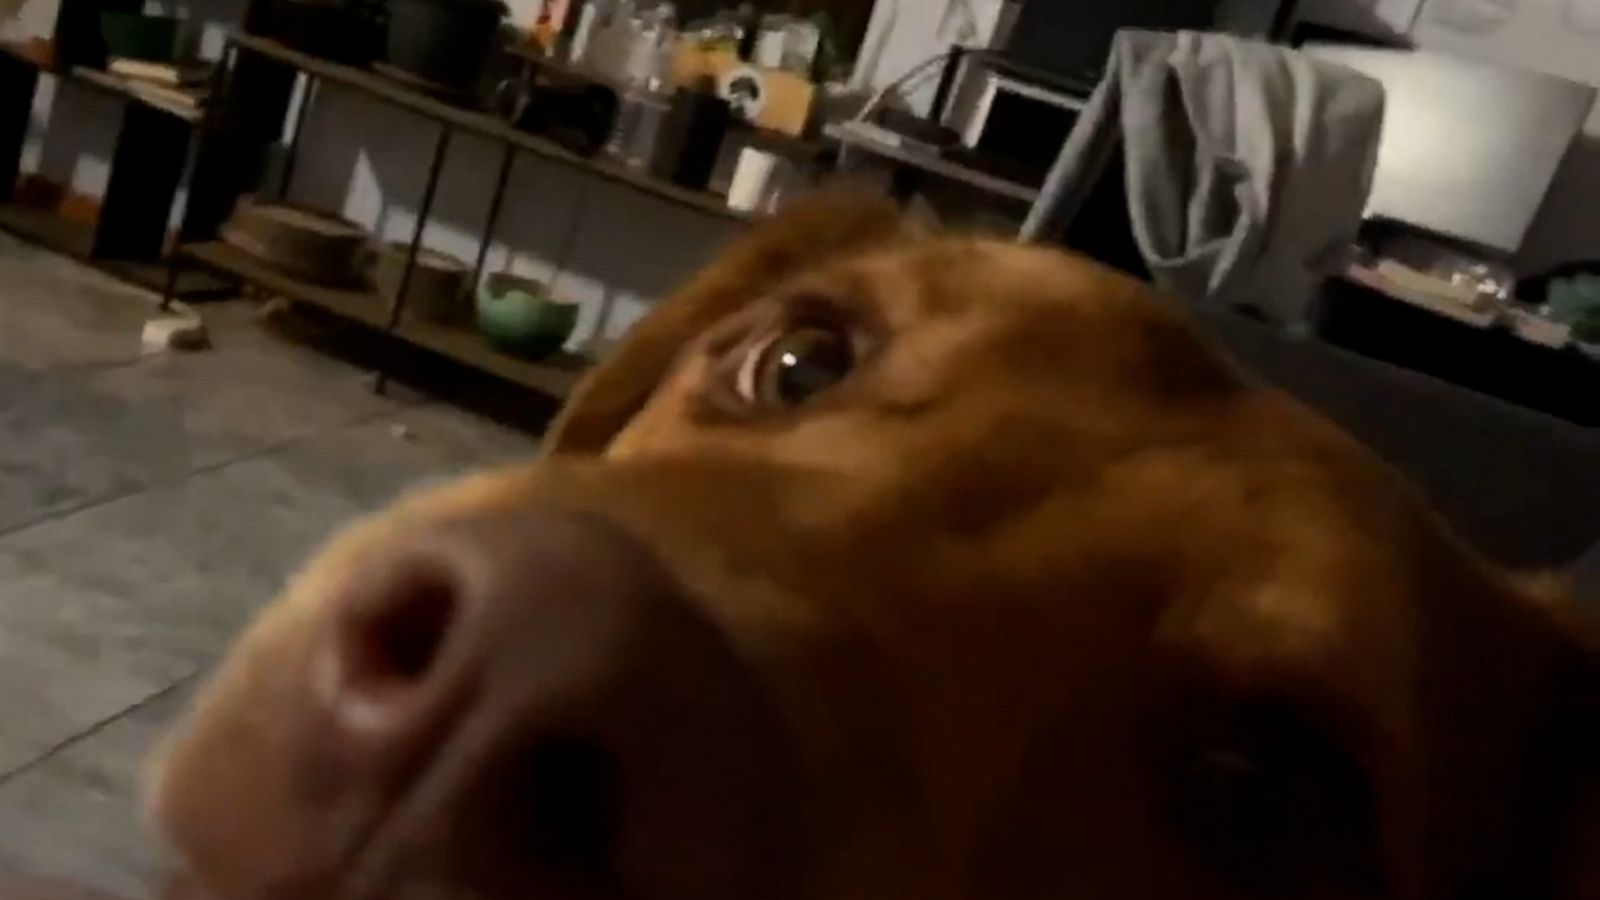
{"x": 147, "y": 507}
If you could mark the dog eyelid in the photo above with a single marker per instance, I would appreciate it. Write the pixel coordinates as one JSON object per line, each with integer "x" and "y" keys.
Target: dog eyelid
{"x": 745, "y": 378}
{"x": 816, "y": 308}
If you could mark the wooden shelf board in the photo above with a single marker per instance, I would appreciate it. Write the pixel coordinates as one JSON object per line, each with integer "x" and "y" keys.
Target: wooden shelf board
{"x": 101, "y": 81}
{"x": 556, "y": 377}
{"x": 118, "y": 86}
{"x": 363, "y": 306}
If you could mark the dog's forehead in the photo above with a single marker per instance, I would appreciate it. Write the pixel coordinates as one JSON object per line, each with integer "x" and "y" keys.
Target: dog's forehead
{"x": 1035, "y": 317}
{"x": 953, "y": 276}
{"x": 1055, "y": 413}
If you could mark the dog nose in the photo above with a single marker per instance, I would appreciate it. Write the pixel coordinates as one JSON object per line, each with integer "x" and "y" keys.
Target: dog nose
{"x": 535, "y": 611}
{"x": 546, "y": 702}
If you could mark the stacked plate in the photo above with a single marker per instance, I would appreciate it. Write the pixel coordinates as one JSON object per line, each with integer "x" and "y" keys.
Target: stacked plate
{"x": 304, "y": 243}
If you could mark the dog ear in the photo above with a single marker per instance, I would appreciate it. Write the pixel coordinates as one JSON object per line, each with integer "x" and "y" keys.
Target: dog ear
{"x": 811, "y": 231}
{"x": 1515, "y": 764}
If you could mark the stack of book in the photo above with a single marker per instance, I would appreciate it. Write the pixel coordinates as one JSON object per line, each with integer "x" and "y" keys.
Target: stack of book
{"x": 179, "y": 86}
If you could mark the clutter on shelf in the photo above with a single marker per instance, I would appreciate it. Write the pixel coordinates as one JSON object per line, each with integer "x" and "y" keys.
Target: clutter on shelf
{"x": 437, "y": 291}
{"x": 183, "y": 87}
{"x": 304, "y": 243}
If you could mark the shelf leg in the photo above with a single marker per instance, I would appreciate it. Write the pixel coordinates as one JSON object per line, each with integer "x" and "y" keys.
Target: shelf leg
{"x": 953, "y": 66}
{"x": 169, "y": 288}
{"x": 435, "y": 169}
{"x": 569, "y": 245}
{"x": 508, "y": 156}
{"x": 293, "y": 153}
{"x": 380, "y": 383}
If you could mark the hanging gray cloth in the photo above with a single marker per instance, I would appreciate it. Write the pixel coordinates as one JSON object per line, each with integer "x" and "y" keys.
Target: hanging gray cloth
{"x": 1248, "y": 165}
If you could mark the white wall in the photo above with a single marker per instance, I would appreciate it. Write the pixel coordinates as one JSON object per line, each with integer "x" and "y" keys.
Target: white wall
{"x": 1380, "y": 17}
{"x": 1535, "y": 34}
{"x": 904, "y": 36}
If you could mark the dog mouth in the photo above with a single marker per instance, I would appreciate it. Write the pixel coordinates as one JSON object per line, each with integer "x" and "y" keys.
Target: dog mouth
{"x": 553, "y": 821}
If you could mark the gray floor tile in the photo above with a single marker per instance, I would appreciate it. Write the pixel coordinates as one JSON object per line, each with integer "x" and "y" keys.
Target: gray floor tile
{"x": 76, "y": 816}
{"x": 85, "y": 418}
{"x": 250, "y": 391}
{"x": 57, "y": 314}
{"x": 202, "y": 555}
{"x": 64, "y": 444}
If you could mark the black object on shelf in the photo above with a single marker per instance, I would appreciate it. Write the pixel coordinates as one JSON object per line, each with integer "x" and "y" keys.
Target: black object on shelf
{"x": 337, "y": 30}
{"x": 245, "y": 124}
{"x": 146, "y": 166}
{"x": 443, "y": 42}
{"x": 749, "y": 29}
{"x": 691, "y": 138}
{"x": 19, "y": 79}
{"x": 78, "y": 37}
{"x": 576, "y": 115}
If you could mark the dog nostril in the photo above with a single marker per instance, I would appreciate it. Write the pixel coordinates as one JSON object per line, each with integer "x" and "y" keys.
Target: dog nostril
{"x": 570, "y": 803}
{"x": 395, "y": 644}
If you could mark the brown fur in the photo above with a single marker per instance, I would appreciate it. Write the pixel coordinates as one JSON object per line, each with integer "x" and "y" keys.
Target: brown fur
{"x": 1041, "y": 550}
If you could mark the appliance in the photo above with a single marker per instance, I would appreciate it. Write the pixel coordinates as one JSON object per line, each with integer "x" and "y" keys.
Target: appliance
{"x": 1015, "y": 125}
{"x": 687, "y": 148}
{"x": 1469, "y": 149}
{"x": 1073, "y": 39}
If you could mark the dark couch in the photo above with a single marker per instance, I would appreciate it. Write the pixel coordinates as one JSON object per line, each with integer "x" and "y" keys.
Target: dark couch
{"x": 1522, "y": 486}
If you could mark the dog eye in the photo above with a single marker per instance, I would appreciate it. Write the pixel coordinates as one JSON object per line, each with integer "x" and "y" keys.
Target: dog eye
{"x": 795, "y": 366}
{"x": 1280, "y": 809}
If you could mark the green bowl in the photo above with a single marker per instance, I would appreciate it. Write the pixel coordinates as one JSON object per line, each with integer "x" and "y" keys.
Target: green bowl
{"x": 138, "y": 36}
{"x": 519, "y": 316}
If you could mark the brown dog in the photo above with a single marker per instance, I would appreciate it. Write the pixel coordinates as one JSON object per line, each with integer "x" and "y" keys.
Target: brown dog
{"x": 879, "y": 564}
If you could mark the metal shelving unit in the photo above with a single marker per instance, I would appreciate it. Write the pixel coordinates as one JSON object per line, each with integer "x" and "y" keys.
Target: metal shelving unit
{"x": 261, "y": 74}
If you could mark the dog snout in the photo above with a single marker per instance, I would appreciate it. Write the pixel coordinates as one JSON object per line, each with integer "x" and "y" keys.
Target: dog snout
{"x": 544, "y": 611}
{"x": 504, "y": 703}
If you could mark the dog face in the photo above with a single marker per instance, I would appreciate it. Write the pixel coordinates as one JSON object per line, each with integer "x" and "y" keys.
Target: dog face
{"x": 880, "y": 563}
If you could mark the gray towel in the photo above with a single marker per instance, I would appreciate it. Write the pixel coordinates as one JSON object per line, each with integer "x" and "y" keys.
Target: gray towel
{"x": 1248, "y": 165}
